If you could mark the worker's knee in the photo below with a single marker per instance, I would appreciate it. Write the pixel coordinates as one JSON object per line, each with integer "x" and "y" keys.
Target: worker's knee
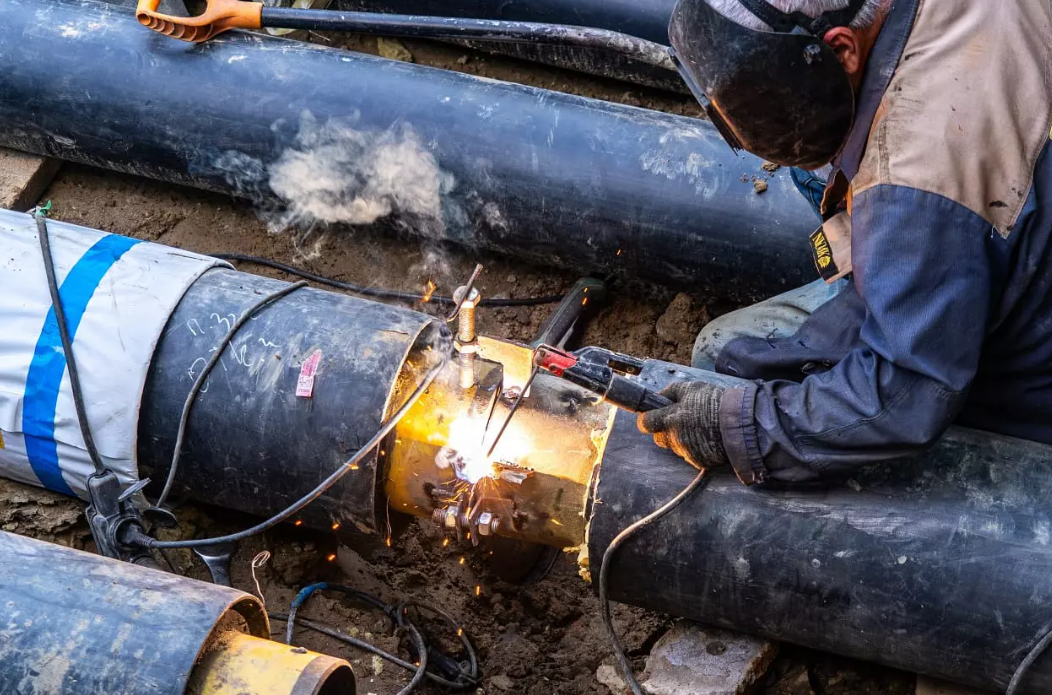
{"x": 711, "y": 341}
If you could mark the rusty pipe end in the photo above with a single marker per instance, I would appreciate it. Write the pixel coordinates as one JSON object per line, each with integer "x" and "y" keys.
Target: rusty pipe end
{"x": 236, "y": 663}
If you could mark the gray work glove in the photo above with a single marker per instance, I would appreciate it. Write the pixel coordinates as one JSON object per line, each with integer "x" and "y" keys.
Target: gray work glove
{"x": 690, "y": 427}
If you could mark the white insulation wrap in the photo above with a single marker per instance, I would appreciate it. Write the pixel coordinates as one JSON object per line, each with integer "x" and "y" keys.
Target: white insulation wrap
{"x": 118, "y": 294}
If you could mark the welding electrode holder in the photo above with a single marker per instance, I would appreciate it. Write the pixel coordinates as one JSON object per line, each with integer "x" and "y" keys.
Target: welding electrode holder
{"x": 603, "y": 372}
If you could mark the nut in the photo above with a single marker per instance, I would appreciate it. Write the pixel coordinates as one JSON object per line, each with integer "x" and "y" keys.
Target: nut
{"x": 485, "y": 519}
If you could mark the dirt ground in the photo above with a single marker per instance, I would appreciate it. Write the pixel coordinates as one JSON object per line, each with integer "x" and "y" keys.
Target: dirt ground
{"x": 540, "y": 639}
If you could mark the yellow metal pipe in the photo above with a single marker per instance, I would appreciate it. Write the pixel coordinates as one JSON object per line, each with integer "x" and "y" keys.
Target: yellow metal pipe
{"x": 235, "y": 663}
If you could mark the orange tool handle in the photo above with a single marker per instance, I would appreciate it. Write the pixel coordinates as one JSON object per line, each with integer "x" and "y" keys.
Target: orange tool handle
{"x": 219, "y": 16}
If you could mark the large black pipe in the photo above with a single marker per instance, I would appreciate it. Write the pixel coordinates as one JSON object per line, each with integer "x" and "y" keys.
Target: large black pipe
{"x": 79, "y": 623}
{"x": 647, "y": 19}
{"x": 252, "y": 443}
{"x": 940, "y": 565}
{"x": 546, "y": 177}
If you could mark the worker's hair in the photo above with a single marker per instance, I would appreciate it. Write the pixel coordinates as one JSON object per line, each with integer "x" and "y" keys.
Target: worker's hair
{"x": 872, "y": 11}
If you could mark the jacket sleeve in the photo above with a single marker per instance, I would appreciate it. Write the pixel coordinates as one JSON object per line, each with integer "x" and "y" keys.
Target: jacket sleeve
{"x": 925, "y": 269}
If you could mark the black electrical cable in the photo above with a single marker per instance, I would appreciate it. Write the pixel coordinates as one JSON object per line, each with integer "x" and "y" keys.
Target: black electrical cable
{"x": 199, "y": 383}
{"x": 400, "y": 616}
{"x": 67, "y": 343}
{"x": 604, "y": 601}
{"x": 1040, "y": 648}
{"x": 380, "y": 293}
{"x": 148, "y": 542}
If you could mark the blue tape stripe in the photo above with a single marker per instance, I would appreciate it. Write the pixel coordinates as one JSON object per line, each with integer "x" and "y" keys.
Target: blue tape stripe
{"x": 48, "y": 367}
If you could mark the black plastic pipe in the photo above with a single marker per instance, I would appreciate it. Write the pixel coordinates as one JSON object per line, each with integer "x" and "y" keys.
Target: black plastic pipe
{"x": 422, "y": 26}
{"x": 254, "y": 445}
{"x": 940, "y": 565}
{"x": 545, "y": 177}
{"x": 647, "y": 19}
{"x": 81, "y": 624}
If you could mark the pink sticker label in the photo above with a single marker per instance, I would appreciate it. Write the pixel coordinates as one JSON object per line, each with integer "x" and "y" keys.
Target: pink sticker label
{"x": 305, "y": 385}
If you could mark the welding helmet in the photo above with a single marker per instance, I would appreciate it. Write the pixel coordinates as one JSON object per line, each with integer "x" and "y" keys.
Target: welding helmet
{"x": 783, "y": 94}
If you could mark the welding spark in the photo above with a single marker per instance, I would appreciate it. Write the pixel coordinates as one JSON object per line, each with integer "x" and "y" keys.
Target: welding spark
{"x": 331, "y": 557}
{"x": 462, "y": 561}
{"x": 445, "y": 542}
{"x": 297, "y": 522}
{"x": 429, "y": 292}
{"x": 478, "y": 590}
{"x": 336, "y": 526}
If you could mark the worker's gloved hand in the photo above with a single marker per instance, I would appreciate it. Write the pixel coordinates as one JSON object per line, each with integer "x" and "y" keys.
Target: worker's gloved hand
{"x": 691, "y": 425}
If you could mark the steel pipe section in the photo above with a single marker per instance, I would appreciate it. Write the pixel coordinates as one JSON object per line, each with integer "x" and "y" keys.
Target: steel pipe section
{"x": 546, "y": 177}
{"x": 939, "y": 565}
{"x": 81, "y": 624}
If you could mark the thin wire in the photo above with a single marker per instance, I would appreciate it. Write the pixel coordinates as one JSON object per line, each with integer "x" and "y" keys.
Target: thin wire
{"x": 199, "y": 383}
{"x": 511, "y": 413}
{"x": 604, "y": 601}
{"x": 67, "y": 344}
{"x": 258, "y": 562}
{"x": 400, "y": 617}
{"x": 314, "y": 494}
{"x": 1024, "y": 668}
{"x": 380, "y": 293}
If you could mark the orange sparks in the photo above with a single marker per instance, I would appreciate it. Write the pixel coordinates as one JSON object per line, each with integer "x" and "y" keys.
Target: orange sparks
{"x": 584, "y": 302}
{"x": 460, "y": 632}
{"x": 619, "y": 252}
{"x": 445, "y": 542}
{"x": 469, "y": 535}
{"x": 336, "y": 526}
{"x": 332, "y": 556}
{"x": 430, "y": 291}
{"x": 297, "y": 522}
{"x": 555, "y": 521}
{"x": 353, "y": 466}
{"x": 462, "y": 561}
{"x": 388, "y": 542}
{"x": 478, "y": 590}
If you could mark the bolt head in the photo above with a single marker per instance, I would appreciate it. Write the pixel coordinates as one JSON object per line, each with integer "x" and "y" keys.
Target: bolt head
{"x": 451, "y": 518}
{"x": 472, "y": 299}
{"x": 485, "y": 524}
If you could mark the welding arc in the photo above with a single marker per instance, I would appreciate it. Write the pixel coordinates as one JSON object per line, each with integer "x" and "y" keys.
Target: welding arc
{"x": 138, "y": 538}
{"x": 511, "y": 413}
{"x": 380, "y": 293}
{"x": 604, "y": 571}
{"x": 67, "y": 343}
{"x": 199, "y": 383}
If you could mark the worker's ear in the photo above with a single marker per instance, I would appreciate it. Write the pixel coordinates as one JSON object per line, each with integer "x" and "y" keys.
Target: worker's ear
{"x": 848, "y": 47}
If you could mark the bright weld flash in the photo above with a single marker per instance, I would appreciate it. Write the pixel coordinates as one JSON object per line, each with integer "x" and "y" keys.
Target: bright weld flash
{"x": 429, "y": 292}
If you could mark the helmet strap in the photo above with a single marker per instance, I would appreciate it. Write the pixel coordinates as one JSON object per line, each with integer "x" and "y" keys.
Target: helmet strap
{"x": 796, "y": 22}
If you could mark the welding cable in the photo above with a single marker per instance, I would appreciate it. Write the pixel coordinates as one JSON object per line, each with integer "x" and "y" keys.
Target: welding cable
{"x": 1015, "y": 685}
{"x": 604, "y": 600}
{"x": 145, "y": 541}
{"x": 199, "y": 383}
{"x": 379, "y": 293}
{"x": 400, "y": 616}
{"x": 419, "y": 671}
{"x": 67, "y": 342}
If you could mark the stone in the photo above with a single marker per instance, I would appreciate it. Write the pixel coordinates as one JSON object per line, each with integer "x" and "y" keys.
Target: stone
{"x": 680, "y": 322}
{"x": 760, "y": 185}
{"x": 502, "y": 682}
{"x": 930, "y": 686}
{"x": 24, "y": 178}
{"x": 607, "y": 674}
{"x": 393, "y": 49}
{"x": 692, "y": 659}
{"x": 795, "y": 682}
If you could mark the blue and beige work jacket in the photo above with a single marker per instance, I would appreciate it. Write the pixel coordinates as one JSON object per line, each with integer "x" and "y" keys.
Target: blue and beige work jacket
{"x": 940, "y": 214}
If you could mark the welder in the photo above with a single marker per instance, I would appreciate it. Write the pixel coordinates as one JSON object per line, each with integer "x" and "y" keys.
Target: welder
{"x": 934, "y": 305}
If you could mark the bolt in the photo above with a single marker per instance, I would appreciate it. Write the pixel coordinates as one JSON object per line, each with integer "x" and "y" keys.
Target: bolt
{"x": 466, "y": 318}
{"x": 466, "y": 365}
{"x": 487, "y": 524}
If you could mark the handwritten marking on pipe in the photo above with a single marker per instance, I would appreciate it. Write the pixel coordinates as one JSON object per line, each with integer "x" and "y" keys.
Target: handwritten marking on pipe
{"x": 305, "y": 385}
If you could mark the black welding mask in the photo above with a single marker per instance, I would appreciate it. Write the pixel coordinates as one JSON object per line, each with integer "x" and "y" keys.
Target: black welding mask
{"x": 781, "y": 95}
